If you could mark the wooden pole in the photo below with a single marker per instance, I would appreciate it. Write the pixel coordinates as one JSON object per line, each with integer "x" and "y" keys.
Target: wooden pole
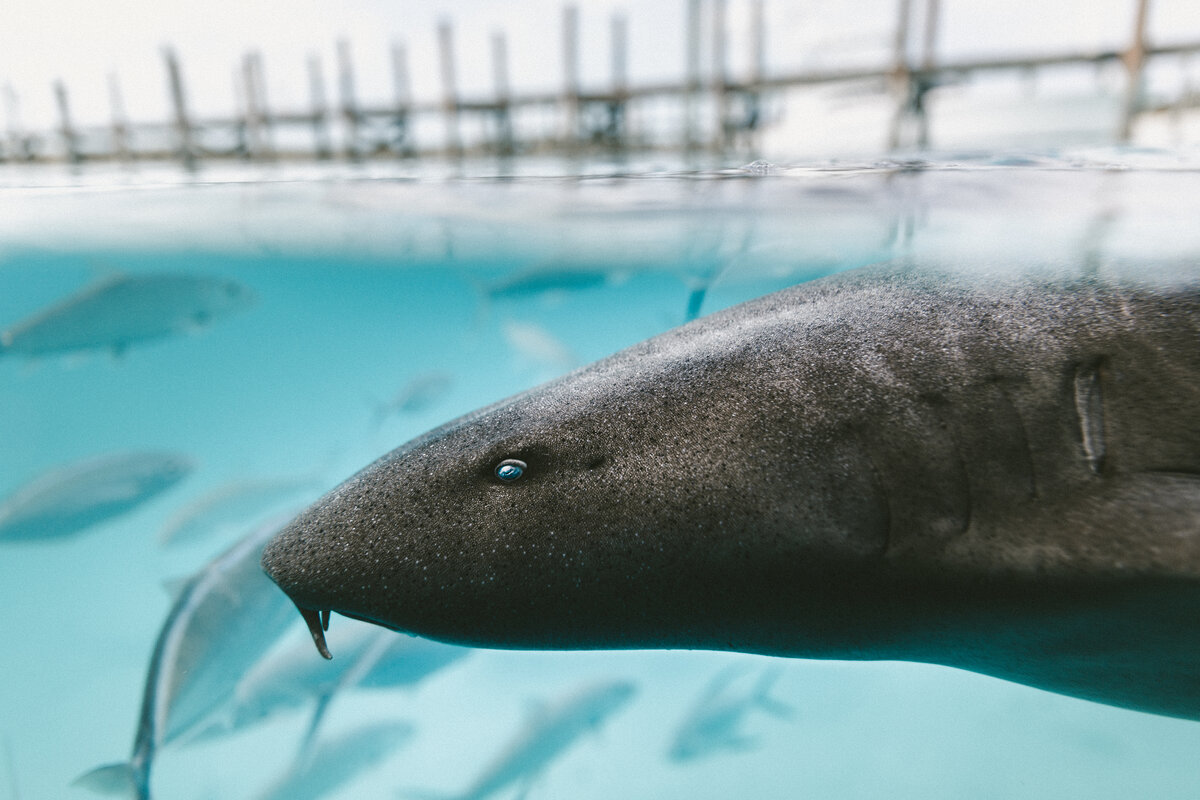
{"x": 902, "y": 77}
{"x": 66, "y": 129}
{"x": 1134, "y": 59}
{"x": 925, "y": 83}
{"x": 720, "y": 79}
{"x": 571, "y": 75}
{"x": 402, "y": 92}
{"x": 322, "y": 145}
{"x": 618, "y": 106}
{"x": 449, "y": 87}
{"x": 691, "y": 87}
{"x": 120, "y": 120}
{"x": 504, "y": 130}
{"x": 255, "y": 143}
{"x": 183, "y": 123}
{"x": 350, "y": 114}
{"x": 758, "y": 68}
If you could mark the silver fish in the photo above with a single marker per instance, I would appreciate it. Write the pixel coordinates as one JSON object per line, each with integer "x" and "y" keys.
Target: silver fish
{"x": 124, "y": 310}
{"x": 367, "y": 658}
{"x": 548, "y": 734}
{"x": 77, "y": 496}
{"x": 715, "y": 722}
{"x": 224, "y": 619}
{"x": 336, "y": 762}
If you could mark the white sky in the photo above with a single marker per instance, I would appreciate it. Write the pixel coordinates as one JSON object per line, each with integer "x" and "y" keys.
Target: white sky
{"x": 82, "y": 42}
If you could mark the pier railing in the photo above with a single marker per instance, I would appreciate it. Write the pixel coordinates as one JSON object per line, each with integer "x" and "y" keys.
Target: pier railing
{"x": 715, "y": 110}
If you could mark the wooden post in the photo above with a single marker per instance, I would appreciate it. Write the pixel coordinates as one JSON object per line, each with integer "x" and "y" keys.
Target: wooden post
{"x": 183, "y": 123}
{"x": 1134, "y": 59}
{"x": 322, "y": 146}
{"x": 752, "y": 115}
{"x": 691, "y": 75}
{"x": 571, "y": 75}
{"x": 720, "y": 79}
{"x": 925, "y": 80}
{"x": 902, "y": 77}
{"x": 255, "y": 139}
{"x": 505, "y": 145}
{"x": 350, "y": 114}
{"x": 617, "y": 107}
{"x": 69, "y": 136}
{"x": 120, "y": 121}
{"x": 402, "y": 91}
{"x": 449, "y": 87}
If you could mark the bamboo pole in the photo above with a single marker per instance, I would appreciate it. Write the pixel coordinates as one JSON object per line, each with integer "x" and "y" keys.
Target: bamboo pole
{"x": 402, "y": 93}
{"x": 322, "y": 145}
{"x": 720, "y": 77}
{"x": 505, "y": 144}
{"x": 445, "y": 34}
{"x": 69, "y": 135}
{"x": 691, "y": 81}
{"x": 570, "y": 96}
{"x": 349, "y": 105}
{"x": 618, "y": 105}
{"x": 183, "y": 123}
{"x": 1135, "y": 60}
{"x": 120, "y": 120}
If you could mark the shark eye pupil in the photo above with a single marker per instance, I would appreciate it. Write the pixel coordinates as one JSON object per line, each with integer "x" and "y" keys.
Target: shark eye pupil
{"x": 510, "y": 469}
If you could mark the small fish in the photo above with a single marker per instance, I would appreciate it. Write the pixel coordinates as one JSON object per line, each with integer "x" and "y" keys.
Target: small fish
{"x": 548, "y": 733}
{"x": 715, "y": 721}
{"x": 77, "y": 496}
{"x": 538, "y": 345}
{"x": 230, "y": 504}
{"x": 124, "y": 310}
{"x": 222, "y": 622}
{"x": 368, "y": 658}
{"x": 334, "y": 763}
{"x": 534, "y": 282}
{"x": 422, "y": 392}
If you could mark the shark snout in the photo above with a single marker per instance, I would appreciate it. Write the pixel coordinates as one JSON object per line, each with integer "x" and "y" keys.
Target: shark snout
{"x": 290, "y": 565}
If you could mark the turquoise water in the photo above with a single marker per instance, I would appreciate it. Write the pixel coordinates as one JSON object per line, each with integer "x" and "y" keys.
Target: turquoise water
{"x": 385, "y": 307}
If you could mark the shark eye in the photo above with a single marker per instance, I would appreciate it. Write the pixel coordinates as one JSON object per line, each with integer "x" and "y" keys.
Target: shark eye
{"x": 510, "y": 469}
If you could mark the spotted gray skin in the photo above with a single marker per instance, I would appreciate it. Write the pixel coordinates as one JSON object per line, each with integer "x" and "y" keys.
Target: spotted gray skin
{"x": 994, "y": 472}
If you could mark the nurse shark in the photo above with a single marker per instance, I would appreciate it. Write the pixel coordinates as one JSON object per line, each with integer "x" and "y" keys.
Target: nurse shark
{"x": 984, "y": 469}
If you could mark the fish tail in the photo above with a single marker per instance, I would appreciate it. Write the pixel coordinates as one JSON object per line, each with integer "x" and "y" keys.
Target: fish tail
{"x": 763, "y": 699}
{"x": 121, "y": 779}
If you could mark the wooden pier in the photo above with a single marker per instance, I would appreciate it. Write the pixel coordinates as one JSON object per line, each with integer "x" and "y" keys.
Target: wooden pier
{"x": 718, "y": 112}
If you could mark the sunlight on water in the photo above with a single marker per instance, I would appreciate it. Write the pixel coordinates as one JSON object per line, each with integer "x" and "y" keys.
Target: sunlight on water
{"x": 373, "y": 309}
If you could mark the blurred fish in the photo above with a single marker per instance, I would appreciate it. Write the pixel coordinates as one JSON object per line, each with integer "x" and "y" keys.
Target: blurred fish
{"x": 71, "y": 498}
{"x": 420, "y": 393}
{"x": 224, "y": 619}
{"x": 124, "y": 310}
{"x": 367, "y": 658}
{"x": 337, "y": 762}
{"x": 715, "y": 721}
{"x": 538, "y": 345}
{"x": 548, "y": 733}
{"x": 540, "y": 281}
{"x": 230, "y": 504}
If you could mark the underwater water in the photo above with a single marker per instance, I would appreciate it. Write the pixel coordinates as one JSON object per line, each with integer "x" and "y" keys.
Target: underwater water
{"x": 308, "y": 326}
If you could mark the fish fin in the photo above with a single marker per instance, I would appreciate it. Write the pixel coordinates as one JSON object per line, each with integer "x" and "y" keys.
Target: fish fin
{"x": 314, "y": 724}
{"x": 119, "y": 779}
{"x": 763, "y": 699}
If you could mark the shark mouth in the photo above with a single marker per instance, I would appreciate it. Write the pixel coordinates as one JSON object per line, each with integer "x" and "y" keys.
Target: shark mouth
{"x": 318, "y": 623}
